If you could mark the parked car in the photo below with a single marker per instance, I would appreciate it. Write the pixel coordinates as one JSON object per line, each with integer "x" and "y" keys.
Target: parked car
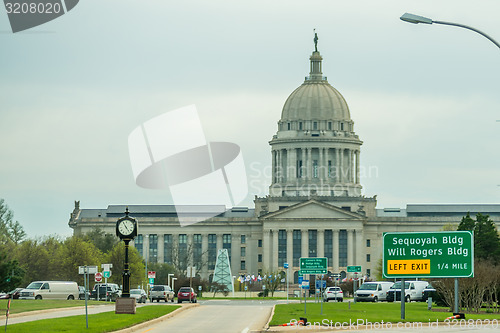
{"x": 50, "y": 290}
{"x": 81, "y": 293}
{"x": 429, "y": 291}
{"x": 4, "y": 296}
{"x": 413, "y": 291}
{"x": 372, "y": 291}
{"x": 186, "y": 294}
{"x": 14, "y": 294}
{"x": 161, "y": 292}
{"x": 106, "y": 292}
{"x": 333, "y": 293}
{"x": 139, "y": 295}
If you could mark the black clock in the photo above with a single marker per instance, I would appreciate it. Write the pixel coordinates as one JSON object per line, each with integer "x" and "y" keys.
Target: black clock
{"x": 126, "y": 227}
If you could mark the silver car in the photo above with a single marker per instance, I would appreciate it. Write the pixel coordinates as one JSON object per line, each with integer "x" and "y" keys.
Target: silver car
{"x": 139, "y": 295}
{"x": 161, "y": 292}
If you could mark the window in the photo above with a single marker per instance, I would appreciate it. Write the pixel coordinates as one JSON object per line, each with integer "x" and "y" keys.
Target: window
{"x": 243, "y": 239}
{"x": 300, "y": 126}
{"x": 341, "y": 126}
{"x": 315, "y": 168}
{"x": 368, "y": 272}
{"x": 153, "y": 248}
{"x": 297, "y": 247}
{"x": 138, "y": 243}
{"x": 329, "y": 246}
{"x": 343, "y": 248}
{"x": 368, "y": 243}
{"x": 289, "y": 126}
{"x": 281, "y": 248}
{"x": 259, "y": 243}
{"x": 212, "y": 250}
{"x": 167, "y": 248}
{"x": 243, "y": 251}
{"x": 313, "y": 243}
{"x": 329, "y": 125}
{"x": 315, "y": 125}
{"x": 368, "y": 258}
{"x": 259, "y": 258}
{"x": 197, "y": 251}
{"x": 243, "y": 265}
{"x": 182, "y": 251}
{"x": 299, "y": 169}
{"x": 226, "y": 244}
{"x": 348, "y": 208}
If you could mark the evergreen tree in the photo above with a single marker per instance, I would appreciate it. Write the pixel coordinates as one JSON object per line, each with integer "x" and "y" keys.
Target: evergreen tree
{"x": 486, "y": 239}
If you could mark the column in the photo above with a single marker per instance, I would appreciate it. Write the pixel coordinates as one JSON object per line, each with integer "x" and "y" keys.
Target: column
{"x": 338, "y": 175}
{"x": 204, "y": 255}
{"x": 351, "y": 166}
{"x": 321, "y": 243}
{"x": 273, "y": 154}
{"x": 278, "y": 166}
{"x": 190, "y": 249}
{"x": 145, "y": 247}
{"x": 320, "y": 164}
{"x": 360, "y": 253}
{"x": 304, "y": 244}
{"x": 219, "y": 243}
{"x": 350, "y": 247}
{"x": 304, "y": 168}
{"x": 161, "y": 246}
{"x": 335, "y": 245}
{"x": 357, "y": 167}
{"x": 325, "y": 163}
{"x": 289, "y": 247}
{"x": 266, "y": 250}
{"x": 235, "y": 253}
{"x": 309, "y": 163}
{"x": 274, "y": 266}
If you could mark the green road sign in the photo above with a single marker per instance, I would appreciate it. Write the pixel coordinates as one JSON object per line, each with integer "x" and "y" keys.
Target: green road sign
{"x": 428, "y": 254}
{"x": 106, "y": 274}
{"x": 313, "y": 266}
{"x": 353, "y": 269}
{"x": 151, "y": 280}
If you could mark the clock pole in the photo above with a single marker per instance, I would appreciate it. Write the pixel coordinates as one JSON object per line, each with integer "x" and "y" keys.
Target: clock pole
{"x": 126, "y": 229}
{"x": 126, "y": 272}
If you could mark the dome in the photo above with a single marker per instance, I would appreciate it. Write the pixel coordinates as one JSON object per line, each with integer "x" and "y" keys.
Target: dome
{"x": 315, "y": 99}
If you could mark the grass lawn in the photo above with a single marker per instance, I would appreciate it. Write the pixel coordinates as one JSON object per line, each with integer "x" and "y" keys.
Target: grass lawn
{"x": 372, "y": 312}
{"x": 102, "y": 322}
{"x": 23, "y": 305}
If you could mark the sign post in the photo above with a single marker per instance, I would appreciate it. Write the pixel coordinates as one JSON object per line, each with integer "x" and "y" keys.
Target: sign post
{"x": 445, "y": 254}
{"x": 285, "y": 266}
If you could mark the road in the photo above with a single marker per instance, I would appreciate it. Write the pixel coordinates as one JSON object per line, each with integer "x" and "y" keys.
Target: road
{"x": 219, "y": 316}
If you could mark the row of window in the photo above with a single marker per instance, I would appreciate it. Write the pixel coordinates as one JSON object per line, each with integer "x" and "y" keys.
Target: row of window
{"x": 315, "y": 126}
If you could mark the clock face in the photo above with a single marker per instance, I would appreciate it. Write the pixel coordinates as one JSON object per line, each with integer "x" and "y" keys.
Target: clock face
{"x": 126, "y": 227}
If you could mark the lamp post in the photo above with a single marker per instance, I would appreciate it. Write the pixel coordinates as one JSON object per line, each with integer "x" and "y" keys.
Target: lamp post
{"x": 173, "y": 283}
{"x": 169, "y": 275}
{"x": 415, "y": 19}
{"x": 146, "y": 236}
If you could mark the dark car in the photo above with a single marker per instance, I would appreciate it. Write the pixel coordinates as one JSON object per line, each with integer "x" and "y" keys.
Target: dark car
{"x": 186, "y": 294}
{"x": 429, "y": 291}
{"x": 106, "y": 292}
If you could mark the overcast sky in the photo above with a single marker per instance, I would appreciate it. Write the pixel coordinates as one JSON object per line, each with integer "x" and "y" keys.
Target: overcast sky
{"x": 424, "y": 98}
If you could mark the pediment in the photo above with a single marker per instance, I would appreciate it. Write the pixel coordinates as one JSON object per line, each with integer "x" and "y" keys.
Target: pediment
{"x": 313, "y": 209}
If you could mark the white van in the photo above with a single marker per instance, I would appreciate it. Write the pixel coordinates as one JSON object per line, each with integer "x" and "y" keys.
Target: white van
{"x": 50, "y": 290}
{"x": 413, "y": 291}
{"x": 372, "y": 291}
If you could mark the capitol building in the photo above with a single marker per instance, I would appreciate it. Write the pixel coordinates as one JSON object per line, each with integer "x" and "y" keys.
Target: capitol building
{"x": 314, "y": 208}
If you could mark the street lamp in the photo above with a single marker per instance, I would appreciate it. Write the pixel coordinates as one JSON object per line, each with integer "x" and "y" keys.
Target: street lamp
{"x": 415, "y": 19}
{"x": 173, "y": 283}
{"x": 169, "y": 275}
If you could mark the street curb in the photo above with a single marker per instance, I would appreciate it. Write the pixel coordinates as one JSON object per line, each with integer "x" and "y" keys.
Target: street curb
{"x": 266, "y": 327}
{"x": 157, "y": 320}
